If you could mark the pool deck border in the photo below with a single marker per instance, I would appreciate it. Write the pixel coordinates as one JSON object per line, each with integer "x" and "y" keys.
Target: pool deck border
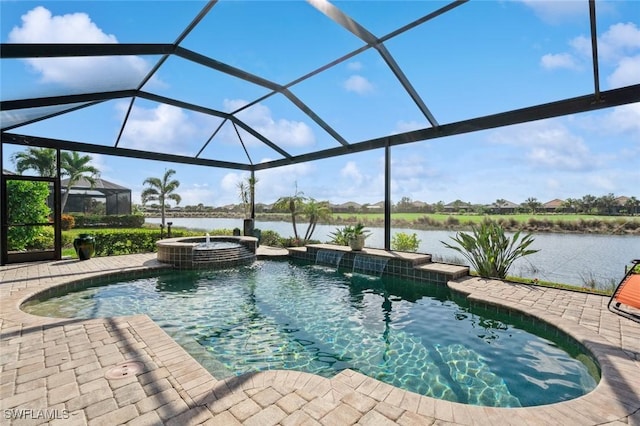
{"x": 56, "y": 367}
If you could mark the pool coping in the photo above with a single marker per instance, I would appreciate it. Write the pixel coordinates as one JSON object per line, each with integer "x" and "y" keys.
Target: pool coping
{"x": 348, "y": 395}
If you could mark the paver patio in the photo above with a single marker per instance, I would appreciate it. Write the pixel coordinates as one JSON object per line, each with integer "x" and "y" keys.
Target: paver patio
{"x": 54, "y": 369}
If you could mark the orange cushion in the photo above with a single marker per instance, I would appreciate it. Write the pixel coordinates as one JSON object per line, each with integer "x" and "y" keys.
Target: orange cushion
{"x": 629, "y": 292}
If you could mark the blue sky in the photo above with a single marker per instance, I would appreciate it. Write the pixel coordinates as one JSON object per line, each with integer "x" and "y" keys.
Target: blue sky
{"x": 482, "y": 58}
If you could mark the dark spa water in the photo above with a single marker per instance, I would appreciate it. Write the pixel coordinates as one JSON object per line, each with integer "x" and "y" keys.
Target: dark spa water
{"x": 282, "y": 315}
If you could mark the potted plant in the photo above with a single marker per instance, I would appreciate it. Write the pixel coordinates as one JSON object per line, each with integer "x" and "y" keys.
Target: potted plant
{"x": 355, "y": 235}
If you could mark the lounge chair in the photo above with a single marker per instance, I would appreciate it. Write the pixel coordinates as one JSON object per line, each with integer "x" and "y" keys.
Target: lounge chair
{"x": 625, "y": 301}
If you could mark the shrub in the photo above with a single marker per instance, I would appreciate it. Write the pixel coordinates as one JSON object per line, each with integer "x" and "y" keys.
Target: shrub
{"x": 67, "y": 222}
{"x": 43, "y": 238}
{"x": 221, "y": 231}
{"x": 489, "y": 251}
{"x": 339, "y": 237}
{"x": 405, "y": 242}
{"x": 108, "y": 221}
{"x": 452, "y": 221}
{"x": 271, "y": 238}
{"x": 129, "y": 241}
{"x": 26, "y": 203}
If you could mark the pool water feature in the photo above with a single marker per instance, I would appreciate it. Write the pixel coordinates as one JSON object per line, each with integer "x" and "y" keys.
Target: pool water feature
{"x": 329, "y": 258}
{"x": 373, "y": 265}
{"x": 282, "y": 315}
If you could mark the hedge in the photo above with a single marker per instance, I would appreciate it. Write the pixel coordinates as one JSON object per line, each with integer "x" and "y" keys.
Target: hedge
{"x": 108, "y": 221}
{"x": 129, "y": 241}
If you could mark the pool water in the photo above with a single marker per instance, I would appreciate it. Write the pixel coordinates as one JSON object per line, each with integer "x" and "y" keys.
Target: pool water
{"x": 283, "y": 315}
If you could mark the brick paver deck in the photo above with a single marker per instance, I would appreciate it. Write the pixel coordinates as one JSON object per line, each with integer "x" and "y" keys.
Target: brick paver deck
{"x": 54, "y": 369}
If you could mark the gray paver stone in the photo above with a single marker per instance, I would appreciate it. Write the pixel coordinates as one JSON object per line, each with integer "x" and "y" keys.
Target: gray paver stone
{"x": 343, "y": 414}
{"x": 272, "y": 415}
{"x": 374, "y": 418}
{"x": 299, "y": 418}
{"x": 223, "y": 419}
{"x": 291, "y": 402}
{"x": 267, "y": 397}
{"x": 117, "y": 417}
{"x": 244, "y": 409}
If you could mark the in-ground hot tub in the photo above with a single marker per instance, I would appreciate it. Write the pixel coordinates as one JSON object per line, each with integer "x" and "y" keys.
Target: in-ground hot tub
{"x": 207, "y": 252}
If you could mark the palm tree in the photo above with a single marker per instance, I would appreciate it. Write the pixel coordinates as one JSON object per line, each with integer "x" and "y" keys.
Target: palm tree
{"x": 500, "y": 202}
{"x": 532, "y": 204}
{"x": 569, "y": 205}
{"x": 161, "y": 191}
{"x": 76, "y": 167}
{"x": 632, "y": 205}
{"x": 246, "y": 193}
{"x": 42, "y": 160}
{"x": 293, "y": 204}
{"x": 606, "y": 203}
{"x": 588, "y": 202}
{"x": 243, "y": 194}
{"x": 315, "y": 211}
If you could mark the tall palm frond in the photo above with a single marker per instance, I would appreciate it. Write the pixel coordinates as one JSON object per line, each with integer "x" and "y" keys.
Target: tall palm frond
{"x": 75, "y": 167}
{"x": 161, "y": 190}
{"x": 293, "y": 204}
{"x": 42, "y": 160}
{"x": 315, "y": 211}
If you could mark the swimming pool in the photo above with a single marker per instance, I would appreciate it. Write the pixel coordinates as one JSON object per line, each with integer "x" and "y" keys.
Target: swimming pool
{"x": 283, "y": 315}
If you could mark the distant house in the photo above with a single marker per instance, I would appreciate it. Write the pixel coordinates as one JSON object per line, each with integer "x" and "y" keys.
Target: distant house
{"x": 507, "y": 207}
{"x": 375, "y": 207}
{"x": 621, "y": 204}
{"x": 456, "y": 206}
{"x": 82, "y": 194}
{"x": 420, "y": 204}
{"x": 553, "y": 205}
{"x": 348, "y": 207}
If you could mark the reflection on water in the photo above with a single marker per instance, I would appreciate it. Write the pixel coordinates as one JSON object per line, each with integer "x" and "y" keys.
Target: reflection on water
{"x": 281, "y": 315}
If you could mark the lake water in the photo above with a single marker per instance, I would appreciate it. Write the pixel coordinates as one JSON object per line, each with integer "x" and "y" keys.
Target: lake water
{"x": 565, "y": 258}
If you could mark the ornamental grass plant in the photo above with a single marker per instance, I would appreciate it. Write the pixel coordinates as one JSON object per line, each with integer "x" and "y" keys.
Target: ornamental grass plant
{"x": 489, "y": 251}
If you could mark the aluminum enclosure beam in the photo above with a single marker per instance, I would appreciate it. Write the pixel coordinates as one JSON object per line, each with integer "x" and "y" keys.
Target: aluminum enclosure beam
{"x": 610, "y": 98}
{"x": 12, "y": 138}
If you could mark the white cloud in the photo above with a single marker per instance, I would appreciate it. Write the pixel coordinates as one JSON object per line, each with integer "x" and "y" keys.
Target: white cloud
{"x": 619, "y": 41}
{"x": 358, "y": 84}
{"x": 548, "y": 144}
{"x": 195, "y": 194}
{"x": 96, "y": 73}
{"x": 282, "y": 132}
{"x": 556, "y": 12}
{"x": 161, "y": 129}
{"x": 355, "y": 66}
{"x": 352, "y": 172}
{"x": 275, "y": 183}
{"x": 623, "y": 119}
{"x": 626, "y": 73}
{"x": 618, "y": 47}
{"x": 560, "y": 60}
{"x": 230, "y": 181}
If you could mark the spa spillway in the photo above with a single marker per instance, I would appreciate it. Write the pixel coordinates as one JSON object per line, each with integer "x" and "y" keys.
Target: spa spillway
{"x": 207, "y": 252}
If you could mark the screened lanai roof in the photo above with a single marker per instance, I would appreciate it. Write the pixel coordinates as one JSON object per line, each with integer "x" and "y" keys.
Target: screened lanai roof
{"x": 209, "y": 62}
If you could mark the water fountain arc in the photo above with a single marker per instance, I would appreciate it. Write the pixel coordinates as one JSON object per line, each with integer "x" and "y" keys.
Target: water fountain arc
{"x": 329, "y": 257}
{"x": 370, "y": 265}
